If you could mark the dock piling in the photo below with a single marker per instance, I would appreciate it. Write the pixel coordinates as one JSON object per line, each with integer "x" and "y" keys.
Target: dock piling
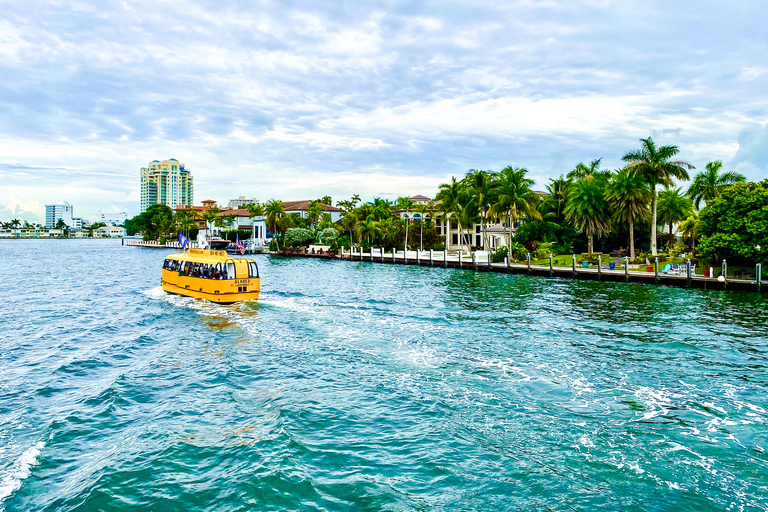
{"x": 574, "y": 267}
{"x": 758, "y": 275}
{"x": 489, "y": 260}
{"x": 528, "y": 262}
{"x": 600, "y": 267}
{"x": 725, "y": 269}
{"x": 688, "y": 272}
{"x": 656, "y": 269}
{"x": 550, "y": 265}
{"x": 431, "y": 259}
{"x": 626, "y": 269}
{"x": 474, "y": 260}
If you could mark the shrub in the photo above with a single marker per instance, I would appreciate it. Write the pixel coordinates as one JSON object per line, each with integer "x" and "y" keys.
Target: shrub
{"x": 499, "y": 255}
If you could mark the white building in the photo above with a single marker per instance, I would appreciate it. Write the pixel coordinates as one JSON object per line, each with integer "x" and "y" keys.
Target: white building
{"x": 110, "y": 232}
{"x": 114, "y": 219}
{"x": 56, "y": 212}
{"x": 241, "y": 201}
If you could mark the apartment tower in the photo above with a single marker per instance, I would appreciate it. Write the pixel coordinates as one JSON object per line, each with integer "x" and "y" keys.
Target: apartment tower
{"x": 167, "y": 182}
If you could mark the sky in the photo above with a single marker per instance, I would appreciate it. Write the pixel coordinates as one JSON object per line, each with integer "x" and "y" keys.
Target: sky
{"x": 299, "y": 99}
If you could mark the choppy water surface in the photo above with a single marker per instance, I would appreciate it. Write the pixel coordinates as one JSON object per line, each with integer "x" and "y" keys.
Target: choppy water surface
{"x": 357, "y": 386}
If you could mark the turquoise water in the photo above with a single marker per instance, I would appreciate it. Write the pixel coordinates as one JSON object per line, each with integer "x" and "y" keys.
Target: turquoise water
{"x": 358, "y": 386}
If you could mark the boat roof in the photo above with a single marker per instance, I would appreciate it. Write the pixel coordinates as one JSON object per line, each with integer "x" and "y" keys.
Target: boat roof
{"x": 208, "y": 256}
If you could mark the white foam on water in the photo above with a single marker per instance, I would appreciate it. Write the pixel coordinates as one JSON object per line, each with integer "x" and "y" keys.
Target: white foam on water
{"x": 155, "y": 293}
{"x": 21, "y": 470}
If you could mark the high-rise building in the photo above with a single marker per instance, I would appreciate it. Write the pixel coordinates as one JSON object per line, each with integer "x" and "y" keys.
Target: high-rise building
{"x": 56, "y": 212}
{"x": 167, "y": 182}
{"x": 242, "y": 201}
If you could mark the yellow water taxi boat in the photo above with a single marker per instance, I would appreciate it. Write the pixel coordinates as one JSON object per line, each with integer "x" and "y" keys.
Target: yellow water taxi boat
{"x": 211, "y": 275}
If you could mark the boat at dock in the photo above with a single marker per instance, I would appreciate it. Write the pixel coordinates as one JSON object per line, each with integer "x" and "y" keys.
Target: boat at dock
{"x": 212, "y": 275}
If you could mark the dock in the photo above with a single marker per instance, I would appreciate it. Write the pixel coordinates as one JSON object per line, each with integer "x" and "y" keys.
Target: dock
{"x": 480, "y": 261}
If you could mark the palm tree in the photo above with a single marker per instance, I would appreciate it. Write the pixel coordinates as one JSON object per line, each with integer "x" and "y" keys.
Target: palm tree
{"x": 707, "y": 185}
{"x": 514, "y": 198}
{"x": 406, "y": 204}
{"x": 466, "y": 215}
{"x": 422, "y": 209}
{"x": 368, "y": 228}
{"x": 588, "y": 209}
{"x": 480, "y": 185}
{"x": 450, "y": 195}
{"x": 557, "y": 190}
{"x": 254, "y": 210}
{"x": 690, "y": 227}
{"x": 582, "y": 171}
{"x": 184, "y": 220}
{"x": 275, "y": 212}
{"x": 673, "y": 207}
{"x": 15, "y": 223}
{"x": 655, "y": 166}
{"x": 628, "y": 196}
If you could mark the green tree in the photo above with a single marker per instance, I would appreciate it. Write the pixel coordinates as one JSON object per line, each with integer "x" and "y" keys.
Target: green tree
{"x": 59, "y": 225}
{"x": 184, "y": 220}
{"x": 325, "y": 200}
{"x": 690, "y": 228}
{"x": 479, "y": 184}
{"x": 368, "y": 228}
{"x": 211, "y": 217}
{"x": 450, "y": 196}
{"x": 515, "y": 198}
{"x": 582, "y": 171}
{"x": 298, "y": 237}
{"x": 707, "y": 185}
{"x": 93, "y": 227}
{"x": 275, "y": 212}
{"x": 466, "y": 215}
{"x": 734, "y": 225}
{"x": 673, "y": 207}
{"x": 588, "y": 209}
{"x": 557, "y": 192}
{"x": 628, "y": 196}
{"x": 422, "y": 209}
{"x": 406, "y": 204}
{"x": 656, "y": 167}
{"x": 254, "y": 210}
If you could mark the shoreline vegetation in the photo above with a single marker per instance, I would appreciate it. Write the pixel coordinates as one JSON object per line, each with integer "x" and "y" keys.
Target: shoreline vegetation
{"x": 636, "y": 212}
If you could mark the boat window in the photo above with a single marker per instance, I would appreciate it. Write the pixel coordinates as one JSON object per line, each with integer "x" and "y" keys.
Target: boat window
{"x": 230, "y": 271}
{"x": 253, "y": 270}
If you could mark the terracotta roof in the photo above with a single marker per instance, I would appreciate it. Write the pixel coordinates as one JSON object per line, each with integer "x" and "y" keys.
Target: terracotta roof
{"x": 419, "y": 198}
{"x": 302, "y": 206}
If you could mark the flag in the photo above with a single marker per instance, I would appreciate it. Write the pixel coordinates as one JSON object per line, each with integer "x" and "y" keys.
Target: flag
{"x": 183, "y": 241}
{"x": 202, "y": 243}
{"x": 240, "y": 246}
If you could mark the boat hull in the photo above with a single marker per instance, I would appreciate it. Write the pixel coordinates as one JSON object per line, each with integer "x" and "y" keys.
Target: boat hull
{"x": 220, "y": 291}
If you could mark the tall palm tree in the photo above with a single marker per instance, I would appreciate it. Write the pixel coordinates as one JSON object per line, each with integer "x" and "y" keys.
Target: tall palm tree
{"x": 368, "y": 228}
{"x": 707, "y": 185}
{"x": 557, "y": 190}
{"x": 479, "y": 184}
{"x": 275, "y": 212}
{"x": 514, "y": 198}
{"x": 588, "y": 209}
{"x": 422, "y": 209}
{"x": 466, "y": 214}
{"x": 628, "y": 195}
{"x": 15, "y": 223}
{"x": 450, "y": 195}
{"x": 673, "y": 207}
{"x": 406, "y": 204}
{"x": 656, "y": 167}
